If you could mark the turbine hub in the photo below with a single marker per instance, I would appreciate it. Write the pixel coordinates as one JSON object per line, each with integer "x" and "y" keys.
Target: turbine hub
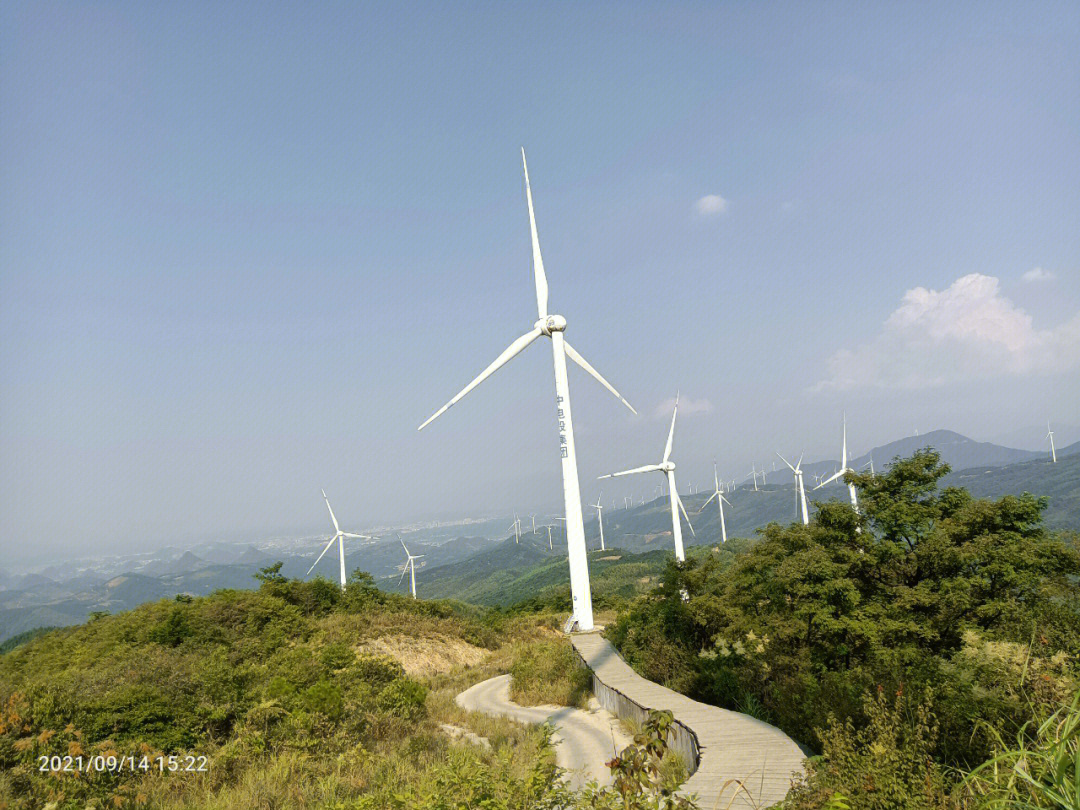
{"x": 668, "y": 466}
{"x": 552, "y": 323}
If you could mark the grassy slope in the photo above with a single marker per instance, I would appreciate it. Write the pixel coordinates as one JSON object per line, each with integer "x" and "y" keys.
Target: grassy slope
{"x": 278, "y": 687}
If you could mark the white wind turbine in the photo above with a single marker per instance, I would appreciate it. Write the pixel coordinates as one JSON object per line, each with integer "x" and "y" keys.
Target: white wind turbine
{"x": 533, "y": 519}
{"x": 410, "y": 567}
{"x": 753, "y": 472}
{"x": 718, "y": 493}
{"x": 339, "y": 536}
{"x": 553, "y": 327}
{"x": 600, "y": 519}
{"x": 667, "y": 466}
{"x": 844, "y": 468}
{"x": 516, "y": 526}
{"x": 800, "y": 490}
{"x": 1050, "y": 436}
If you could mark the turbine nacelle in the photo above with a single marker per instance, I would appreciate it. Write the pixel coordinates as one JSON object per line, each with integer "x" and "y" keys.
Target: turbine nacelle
{"x": 552, "y": 323}
{"x": 667, "y": 466}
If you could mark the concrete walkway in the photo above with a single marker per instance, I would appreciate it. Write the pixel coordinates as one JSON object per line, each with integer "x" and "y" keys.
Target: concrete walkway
{"x": 584, "y": 740}
{"x": 734, "y": 749}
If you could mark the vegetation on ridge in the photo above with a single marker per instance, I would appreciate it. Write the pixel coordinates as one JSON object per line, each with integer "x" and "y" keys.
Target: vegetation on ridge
{"x": 884, "y": 637}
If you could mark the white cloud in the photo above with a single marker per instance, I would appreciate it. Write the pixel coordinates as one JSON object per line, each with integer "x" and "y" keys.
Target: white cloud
{"x": 711, "y": 205}
{"x": 1037, "y": 274}
{"x": 687, "y": 407}
{"x": 967, "y": 331}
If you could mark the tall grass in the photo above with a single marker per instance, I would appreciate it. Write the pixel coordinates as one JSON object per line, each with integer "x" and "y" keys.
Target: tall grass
{"x": 1042, "y": 770}
{"x": 548, "y": 671}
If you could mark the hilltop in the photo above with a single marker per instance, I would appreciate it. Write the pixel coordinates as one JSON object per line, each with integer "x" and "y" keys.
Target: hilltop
{"x": 296, "y": 693}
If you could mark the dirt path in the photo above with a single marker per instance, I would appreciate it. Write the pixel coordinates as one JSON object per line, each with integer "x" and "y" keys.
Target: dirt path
{"x": 584, "y": 740}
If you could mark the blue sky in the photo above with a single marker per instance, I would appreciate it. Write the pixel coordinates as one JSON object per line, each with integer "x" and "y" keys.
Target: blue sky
{"x": 246, "y": 248}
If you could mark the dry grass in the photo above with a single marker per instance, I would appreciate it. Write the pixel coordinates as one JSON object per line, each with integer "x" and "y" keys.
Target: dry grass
{"x": 426, "y": 656}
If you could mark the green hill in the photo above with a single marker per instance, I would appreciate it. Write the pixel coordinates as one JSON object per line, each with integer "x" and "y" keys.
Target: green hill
{"x": 278, "y": 697}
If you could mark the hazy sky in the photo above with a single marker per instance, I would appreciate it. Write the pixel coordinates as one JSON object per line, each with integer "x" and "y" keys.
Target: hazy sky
{"x": 245, "y": 249}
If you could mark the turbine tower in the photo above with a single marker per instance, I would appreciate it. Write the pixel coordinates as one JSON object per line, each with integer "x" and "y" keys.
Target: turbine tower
{"x": 600, "y": 519}
{"x": 844, "y": 468}
{"x": 667, "y": 466}
{"x": 516, "y": 526}
{"x": 720, "y": 499}
{"x": 339, "y": 536}
{"x": 1050, "y": 436}
{"x": 410, "y": 567}
{"x": 800, "y": 490}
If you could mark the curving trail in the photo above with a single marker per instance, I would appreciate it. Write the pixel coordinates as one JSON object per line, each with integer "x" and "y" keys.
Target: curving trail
{"x": 584, "y": 740}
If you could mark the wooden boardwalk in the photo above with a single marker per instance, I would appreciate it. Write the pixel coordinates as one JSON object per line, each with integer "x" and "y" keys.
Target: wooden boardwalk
{"x": 732, "y": 748}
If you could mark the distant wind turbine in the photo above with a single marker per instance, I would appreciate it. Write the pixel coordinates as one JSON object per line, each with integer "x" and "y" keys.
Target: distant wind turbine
{"x": 753, "y": 472}
{"x": 667, "y": 466}
{"x": 516, "y": 526}
{"x": 340, "y": 537}
{"x": 600, "y": 519}
{"x": 410, "y": 567}
{"x": 553, "y": 326}
{"x": 844, "y": 468}
{"x": 1050, "y": 436}
{"x": 720, "y": 499}
{"x": 800, "y": 490}
{"x": 550, "y": 547}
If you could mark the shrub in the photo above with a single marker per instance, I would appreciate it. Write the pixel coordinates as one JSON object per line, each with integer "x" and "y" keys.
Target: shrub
{"x": 324, "y": 698}
{"x": 403, "y": 698}
{"x": 548, "y": 671}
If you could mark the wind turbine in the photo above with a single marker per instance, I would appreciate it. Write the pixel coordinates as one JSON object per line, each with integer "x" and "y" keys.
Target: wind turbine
{"x": 1050, "y": 436}
{"x": 800, "y": 490}
{"x": 844, "y": 468}
{"x": 550, "y": 547}
{"x": 410, "y": 566}
{"x": 339, "y": 536}
{"x": 753, "y": 472}
{"x": 667, "y": 466}
{"x": 516, "y": 526}
{"x": 553, "y": 326}
{"x": 533, "y": 519}
{"x": 600, "y": 519}
{"x": 719, "y": 495}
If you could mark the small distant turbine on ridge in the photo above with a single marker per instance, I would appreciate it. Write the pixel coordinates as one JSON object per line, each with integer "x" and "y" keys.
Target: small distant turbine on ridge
{"x": 410, "y": 567}
{"x": 800, "y": 490}
{"x": 667, "y": 467}
{"x": 720, "y": 499}
{"x": 600, "y": 518}
{"x": 1050, "y": 435}
{"x": 339, "y": 536}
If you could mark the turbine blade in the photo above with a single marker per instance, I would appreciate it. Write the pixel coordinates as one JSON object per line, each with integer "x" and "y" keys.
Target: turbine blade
{"x": 538, "y": 260}
{"x": 356, "y": 536}
{"x": 511, "y": 350}
{"x": 786, "y": 462}
{"x": 702, "y": 509}
{"x": 831, "y": 478}
{"x": 572, "y": 353}
{"x": 336, "y": 527}
{"x": 332, "y": 539}
{"x": 403, "y": 546}
{"x": 646, "y": 468}
{"x": 671, "y": 433}
{"x": 683, "y": 508}
{"x": 404, "y": 570}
